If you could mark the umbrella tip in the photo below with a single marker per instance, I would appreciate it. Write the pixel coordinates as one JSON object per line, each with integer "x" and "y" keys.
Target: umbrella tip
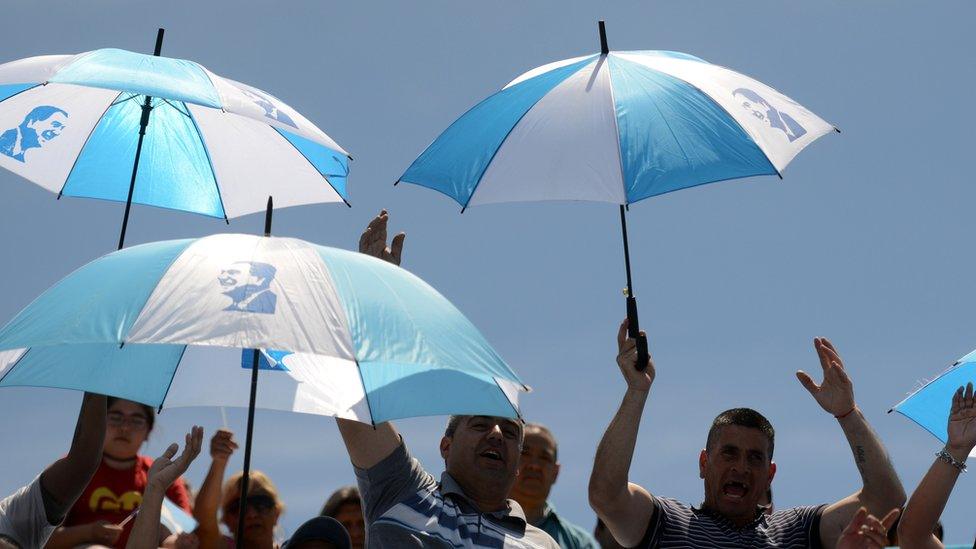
{"x": 267, "y": 217}
{"x": 836, "y": 129}
{"x": 397, "y": 182}
{"x": 159, "y": 41}
{"x": 604, "y": 48}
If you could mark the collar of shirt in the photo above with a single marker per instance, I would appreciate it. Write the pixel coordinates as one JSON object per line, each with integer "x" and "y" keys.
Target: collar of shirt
{"x": 759, "y": 520}
{"x": 513, "y": 516}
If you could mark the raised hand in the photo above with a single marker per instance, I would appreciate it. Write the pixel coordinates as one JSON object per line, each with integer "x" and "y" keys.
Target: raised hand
{"x": 222, "y": 445}
{"x": 627, "y": 361}
{"x": 962, "y": 423}
{"x": 165, "y": 470}
{"x": 373, "y": 240}
{"x": 866, "y": 531}
{"x": 836, "y": 393}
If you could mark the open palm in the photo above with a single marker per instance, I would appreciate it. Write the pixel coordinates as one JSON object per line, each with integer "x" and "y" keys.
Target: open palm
{"x": 962, "y": 420}
{"x": 836, "y": 393}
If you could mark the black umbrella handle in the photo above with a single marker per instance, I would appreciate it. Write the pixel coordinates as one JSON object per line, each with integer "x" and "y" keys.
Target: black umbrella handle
{"x": 633, "y": 331}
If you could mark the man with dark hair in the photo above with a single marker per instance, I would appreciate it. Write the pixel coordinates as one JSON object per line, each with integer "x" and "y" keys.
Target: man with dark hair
{"x": 248, "y": 284}
{"x": 42, "y": 124}
{"x": 537, "y": 472}
{"x": 737, "y": 468}
{"x": 405, "y": 506}
{"x": 30, "y": 515}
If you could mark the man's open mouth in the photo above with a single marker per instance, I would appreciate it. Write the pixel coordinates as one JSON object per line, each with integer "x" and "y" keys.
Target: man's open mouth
{"x": 493, "y": 455}
{"x": 735, "y": 490}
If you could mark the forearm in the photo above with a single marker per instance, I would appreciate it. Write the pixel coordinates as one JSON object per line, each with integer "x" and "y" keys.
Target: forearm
{"x": 67, "y": 537}
{"x": 611, "y": 466}
{"x": 145, "y": 530}
{"x": 65, "y": 479}
{"x": 882, "y": 490}
{"x": 207, "y": 504}
{"x": 927, "y": 503}
{"x": 367, "y": 444}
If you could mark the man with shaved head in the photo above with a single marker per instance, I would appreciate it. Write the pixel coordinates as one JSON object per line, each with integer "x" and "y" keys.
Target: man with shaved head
{"x": 737, "y": 468}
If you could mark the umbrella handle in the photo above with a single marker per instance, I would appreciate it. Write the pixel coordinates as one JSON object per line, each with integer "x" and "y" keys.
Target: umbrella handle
{"x": 633, "y": 331}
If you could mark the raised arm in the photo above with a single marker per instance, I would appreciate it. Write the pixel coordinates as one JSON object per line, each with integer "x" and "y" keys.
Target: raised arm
{"x": 65, "y": 479}
{"x": 207, "y": 504}
{"x": 881, "y": 490}
{"x": 163, "y": 472}
{"x": 368, "y": 445}
{"x": 929, "y": 499}
{"x": 626, "y": 508}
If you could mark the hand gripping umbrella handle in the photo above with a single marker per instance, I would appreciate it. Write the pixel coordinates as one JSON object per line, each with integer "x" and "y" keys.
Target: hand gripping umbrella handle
{"x": 633, "y": 331}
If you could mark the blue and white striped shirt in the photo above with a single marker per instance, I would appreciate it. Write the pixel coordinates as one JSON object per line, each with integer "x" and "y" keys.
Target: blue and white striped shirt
{"x": 405, "y": 507}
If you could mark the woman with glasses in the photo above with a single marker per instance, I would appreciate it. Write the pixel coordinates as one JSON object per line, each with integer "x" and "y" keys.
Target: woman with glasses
{"x": 260, "y": 513}
{"x": 98, "y": 517}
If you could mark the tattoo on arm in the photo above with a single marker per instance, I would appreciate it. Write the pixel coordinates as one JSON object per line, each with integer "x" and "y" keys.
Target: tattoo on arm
{"x": 859, "y": 457}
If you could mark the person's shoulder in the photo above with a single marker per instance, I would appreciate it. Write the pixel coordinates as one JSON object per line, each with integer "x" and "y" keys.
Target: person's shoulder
{"x": 795, "y": 514}
{"x": 671, "y": 505}
{"x": 539, "y": 538}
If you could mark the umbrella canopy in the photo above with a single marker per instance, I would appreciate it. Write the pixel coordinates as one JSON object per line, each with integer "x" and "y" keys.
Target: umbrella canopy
{"x": 165, "y": 324}
{"x": 929, "y": 405}
{"x": 616, "y": 127}
{"x": 213, "y": 146}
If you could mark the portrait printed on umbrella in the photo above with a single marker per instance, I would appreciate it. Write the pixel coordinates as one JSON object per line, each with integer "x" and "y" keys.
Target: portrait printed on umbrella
{"x": 774, "y": 118}
{"x": 42, "y": 124}
{"x": 268, "y": 106}
{"x": 248, "y": 285}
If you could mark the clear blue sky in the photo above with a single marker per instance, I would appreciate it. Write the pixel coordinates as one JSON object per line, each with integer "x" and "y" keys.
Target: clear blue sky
{"x": 866, "y": 241}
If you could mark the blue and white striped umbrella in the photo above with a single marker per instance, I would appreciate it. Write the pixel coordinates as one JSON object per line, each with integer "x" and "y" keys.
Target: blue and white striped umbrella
{"x": 929, "y": 405}
{"x": 213, "y": 146}
{"x": 617, "y": 127}
{"x": 165, "y": 324}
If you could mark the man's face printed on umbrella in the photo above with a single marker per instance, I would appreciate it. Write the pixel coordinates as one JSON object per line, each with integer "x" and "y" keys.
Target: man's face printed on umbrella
{"x": 247, "y": 283}
{"x": 761, "y": 109}
{"x": 42, "y": 124}
{"x": 270, "y": 110}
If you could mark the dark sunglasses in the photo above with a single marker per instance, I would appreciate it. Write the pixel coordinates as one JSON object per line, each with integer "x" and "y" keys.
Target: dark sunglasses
{"x": 259, "y": 503}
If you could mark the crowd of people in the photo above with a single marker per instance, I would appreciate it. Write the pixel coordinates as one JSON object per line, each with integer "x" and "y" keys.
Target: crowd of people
{"x": 494, "y": 491}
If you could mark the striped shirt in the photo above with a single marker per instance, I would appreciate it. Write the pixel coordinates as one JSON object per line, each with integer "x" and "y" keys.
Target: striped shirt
{"x": 405, "y": 507}
{"x": 678, "y": 526}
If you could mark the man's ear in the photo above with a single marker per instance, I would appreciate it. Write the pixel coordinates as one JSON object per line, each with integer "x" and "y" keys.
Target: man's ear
{"x": 772, "y": 471}
{"x": 556, "y": 474}
{"x": 702, "y": 462}
{"x": 445, "y": 447}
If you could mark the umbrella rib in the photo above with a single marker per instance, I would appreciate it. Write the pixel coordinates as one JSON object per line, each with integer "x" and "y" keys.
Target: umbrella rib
{"x": 362, "y": 380}
{"x": 179, "y": 110}
{"x": 171, "y": 378}
{"x": 20, "y": 92}
{"x": 325, "y": 177}
{"x": 206, "y": 151}
{"x": 21, "y": 359}
{"x": 81, "y": 151}
{"x": 118, "y": 101}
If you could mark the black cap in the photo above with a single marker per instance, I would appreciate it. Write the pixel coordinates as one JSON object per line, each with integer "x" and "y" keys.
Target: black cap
{"x": 321, "y": 529}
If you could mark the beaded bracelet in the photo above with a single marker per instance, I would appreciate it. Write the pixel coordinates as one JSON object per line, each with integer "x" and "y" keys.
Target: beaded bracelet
{"x": 945, "y": 456}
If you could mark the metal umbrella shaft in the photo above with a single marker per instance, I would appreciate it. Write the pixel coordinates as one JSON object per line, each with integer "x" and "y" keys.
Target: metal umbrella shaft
{"x": 143, "y": 124}
{"x": 246, "y": 476}
{"x": 633, "y": 324}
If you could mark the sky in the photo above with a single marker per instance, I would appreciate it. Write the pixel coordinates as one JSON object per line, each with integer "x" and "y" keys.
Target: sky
{"x": 865, "y": 241}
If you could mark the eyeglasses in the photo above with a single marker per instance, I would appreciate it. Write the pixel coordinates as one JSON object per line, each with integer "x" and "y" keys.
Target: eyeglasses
{"x": 118, "y": 419}
{"x": 259, "y": 503}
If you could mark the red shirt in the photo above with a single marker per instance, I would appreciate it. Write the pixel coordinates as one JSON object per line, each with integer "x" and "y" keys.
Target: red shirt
{"x": 113, "y": 494}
